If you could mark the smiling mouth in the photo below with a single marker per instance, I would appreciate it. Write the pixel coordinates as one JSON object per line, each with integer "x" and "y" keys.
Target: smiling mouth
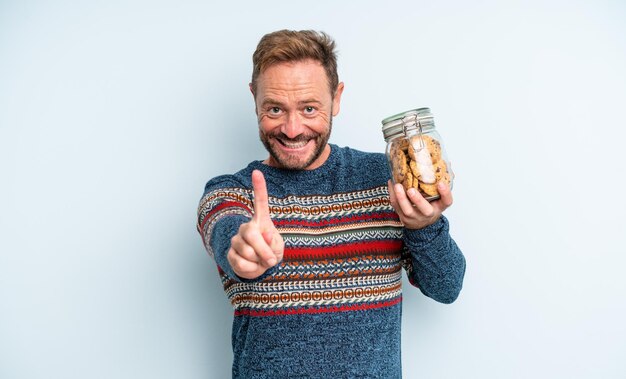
{"x": 293, "y": 144}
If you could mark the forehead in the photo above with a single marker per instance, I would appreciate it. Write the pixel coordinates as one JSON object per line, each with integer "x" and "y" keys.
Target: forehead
{"x": 308, "y": 75}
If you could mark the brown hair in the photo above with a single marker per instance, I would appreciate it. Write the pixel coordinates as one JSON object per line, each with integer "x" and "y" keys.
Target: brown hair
{"x": 292, "y": 46}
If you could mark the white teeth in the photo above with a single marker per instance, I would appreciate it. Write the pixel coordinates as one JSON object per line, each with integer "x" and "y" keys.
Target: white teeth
{"x": 294, "y": 145}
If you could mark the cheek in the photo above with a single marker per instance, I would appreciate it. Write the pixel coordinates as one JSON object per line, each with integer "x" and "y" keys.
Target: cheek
{"x": 320, "y": 123}
{"x": 268, "y": 123}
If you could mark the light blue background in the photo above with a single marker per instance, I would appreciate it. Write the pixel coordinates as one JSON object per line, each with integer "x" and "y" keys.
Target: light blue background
{"x": 114, "y": 114}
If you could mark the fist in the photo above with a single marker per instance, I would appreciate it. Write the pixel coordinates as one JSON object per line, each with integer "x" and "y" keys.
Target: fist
{"x": 257, "y": 246}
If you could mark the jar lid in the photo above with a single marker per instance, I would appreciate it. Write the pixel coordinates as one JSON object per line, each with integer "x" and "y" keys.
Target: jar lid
{"x": 404, "y": 122}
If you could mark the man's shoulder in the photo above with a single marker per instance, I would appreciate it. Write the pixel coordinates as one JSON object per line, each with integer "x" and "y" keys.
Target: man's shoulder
{"x": 356, "y": 156}
{"x": 367, "y": 168}
{"x": 240, "y": 179}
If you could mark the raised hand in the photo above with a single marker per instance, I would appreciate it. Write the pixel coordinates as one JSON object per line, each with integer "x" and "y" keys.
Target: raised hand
{"x": 414, "y": 210}
{"x": 258, "y": 245}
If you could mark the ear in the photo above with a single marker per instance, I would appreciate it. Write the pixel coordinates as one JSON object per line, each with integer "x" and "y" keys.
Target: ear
{"x": 253, "y": 98}
{"x": 337, "y": 99}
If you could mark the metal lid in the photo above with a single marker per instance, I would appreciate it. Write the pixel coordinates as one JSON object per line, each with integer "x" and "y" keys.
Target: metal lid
{"x": 404, "y": 122}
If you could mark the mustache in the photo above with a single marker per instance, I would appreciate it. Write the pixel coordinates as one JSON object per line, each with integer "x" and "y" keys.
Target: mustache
{"x": 300, "y": 138}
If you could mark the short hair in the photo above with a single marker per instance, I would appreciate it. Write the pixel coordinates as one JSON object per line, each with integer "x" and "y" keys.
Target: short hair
{"x": 293, "y": 46}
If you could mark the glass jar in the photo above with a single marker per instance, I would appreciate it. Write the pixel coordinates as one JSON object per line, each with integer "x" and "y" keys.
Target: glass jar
{"x": 415, "y": 152}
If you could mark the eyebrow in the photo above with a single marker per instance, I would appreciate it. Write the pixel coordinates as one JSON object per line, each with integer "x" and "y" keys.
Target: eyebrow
{"x": 309, "y": 101}
{"x": 270, "y": 101}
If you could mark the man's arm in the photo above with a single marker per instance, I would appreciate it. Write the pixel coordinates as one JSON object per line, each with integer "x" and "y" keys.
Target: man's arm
{"x": 437, "y": 265}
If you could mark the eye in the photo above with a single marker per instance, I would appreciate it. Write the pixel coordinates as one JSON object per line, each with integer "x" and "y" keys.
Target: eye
{"x": 274, "y": 110}
{"x": 309, "y": 110}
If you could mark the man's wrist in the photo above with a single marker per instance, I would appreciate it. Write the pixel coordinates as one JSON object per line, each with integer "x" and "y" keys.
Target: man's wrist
{"x": 426, "y": 234}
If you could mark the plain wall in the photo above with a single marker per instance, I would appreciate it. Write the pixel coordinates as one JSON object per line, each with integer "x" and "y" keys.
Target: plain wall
{"x": 113, "y": 115}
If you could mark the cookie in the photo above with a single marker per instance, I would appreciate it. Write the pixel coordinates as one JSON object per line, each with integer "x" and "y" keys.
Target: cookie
{"x": 415, "y": 147}
{"x": 441, "y": 171}
{"x": 409, "y": 181}
{"x": 417, "y": 163}
{"x": 398, "y": 177}
{"x": 429, "y": 189}
{"x": 400, "y": 144}
{"x": 400, "y": 165}
{"x": 423, "y": 165}
{"x": 434, "y": 148}
{"x": 414, "y": 169}
{"x": 425, "y": 142}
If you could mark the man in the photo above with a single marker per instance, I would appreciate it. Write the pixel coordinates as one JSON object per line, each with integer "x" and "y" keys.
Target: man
{"x": 310, "y": 243}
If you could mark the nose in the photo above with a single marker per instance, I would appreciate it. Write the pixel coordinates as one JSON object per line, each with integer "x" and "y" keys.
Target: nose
{"x": 293, "y": 126}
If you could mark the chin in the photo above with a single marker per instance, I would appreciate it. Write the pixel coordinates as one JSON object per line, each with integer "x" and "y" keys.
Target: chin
{"x": 292, "y": 163}
{"x": 295, "y": 161}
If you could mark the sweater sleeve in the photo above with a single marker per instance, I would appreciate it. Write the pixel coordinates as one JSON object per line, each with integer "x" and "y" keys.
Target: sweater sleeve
{"x": 435, "y": 264}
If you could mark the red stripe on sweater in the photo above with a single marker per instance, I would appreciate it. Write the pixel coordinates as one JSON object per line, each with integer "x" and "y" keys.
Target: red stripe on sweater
{"x": 343, "y": 250}
{"x": 330, "y": 309}
{"x": 221, "y": 206}
{"x": 335, "y": 221}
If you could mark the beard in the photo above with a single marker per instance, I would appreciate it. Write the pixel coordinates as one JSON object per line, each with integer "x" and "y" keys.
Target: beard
{"x": 291, "y": 162}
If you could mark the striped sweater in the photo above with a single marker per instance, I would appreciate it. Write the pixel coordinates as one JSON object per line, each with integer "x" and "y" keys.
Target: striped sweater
{"x": 332, "y": 307}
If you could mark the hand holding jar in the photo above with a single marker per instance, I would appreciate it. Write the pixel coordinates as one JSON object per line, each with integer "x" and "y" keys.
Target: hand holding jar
{"x": 414, "y": 210}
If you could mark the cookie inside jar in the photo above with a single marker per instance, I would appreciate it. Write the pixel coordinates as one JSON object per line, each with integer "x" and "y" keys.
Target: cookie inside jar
{"x": 417, "y": 162}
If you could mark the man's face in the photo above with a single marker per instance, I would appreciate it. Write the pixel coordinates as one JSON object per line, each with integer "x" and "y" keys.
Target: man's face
{"x": 295, "y": 108}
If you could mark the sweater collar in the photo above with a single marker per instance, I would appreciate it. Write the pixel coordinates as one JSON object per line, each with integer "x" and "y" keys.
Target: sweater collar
{"x": 284, "y": 174}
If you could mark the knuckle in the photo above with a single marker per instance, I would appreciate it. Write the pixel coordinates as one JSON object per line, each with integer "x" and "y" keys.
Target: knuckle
{"x": 236, "y": 264}
{"x": 247, "y": 251}
{"x": 248, "y": 234}
{"x": 243, "y": 228}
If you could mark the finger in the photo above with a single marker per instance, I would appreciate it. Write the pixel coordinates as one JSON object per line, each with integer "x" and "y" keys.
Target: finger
{"x": 244, "y": 250}
{"x": 445, "y": 198}
{"x": 278, "y": 246}
{"x": 268, "y": 236}
{"x": 421, "y": 204}
{"x": 241, "y": 265}
{"x": 446, "y": 195}
{"x": 403, "y": 202}
{"x": 392, "y": 195}
{"x": 254, "y": 238}
{"x": 261, "y": 204}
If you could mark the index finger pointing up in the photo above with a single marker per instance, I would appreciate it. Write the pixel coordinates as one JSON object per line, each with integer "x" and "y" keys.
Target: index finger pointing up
{"x": 261, "y": 204}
